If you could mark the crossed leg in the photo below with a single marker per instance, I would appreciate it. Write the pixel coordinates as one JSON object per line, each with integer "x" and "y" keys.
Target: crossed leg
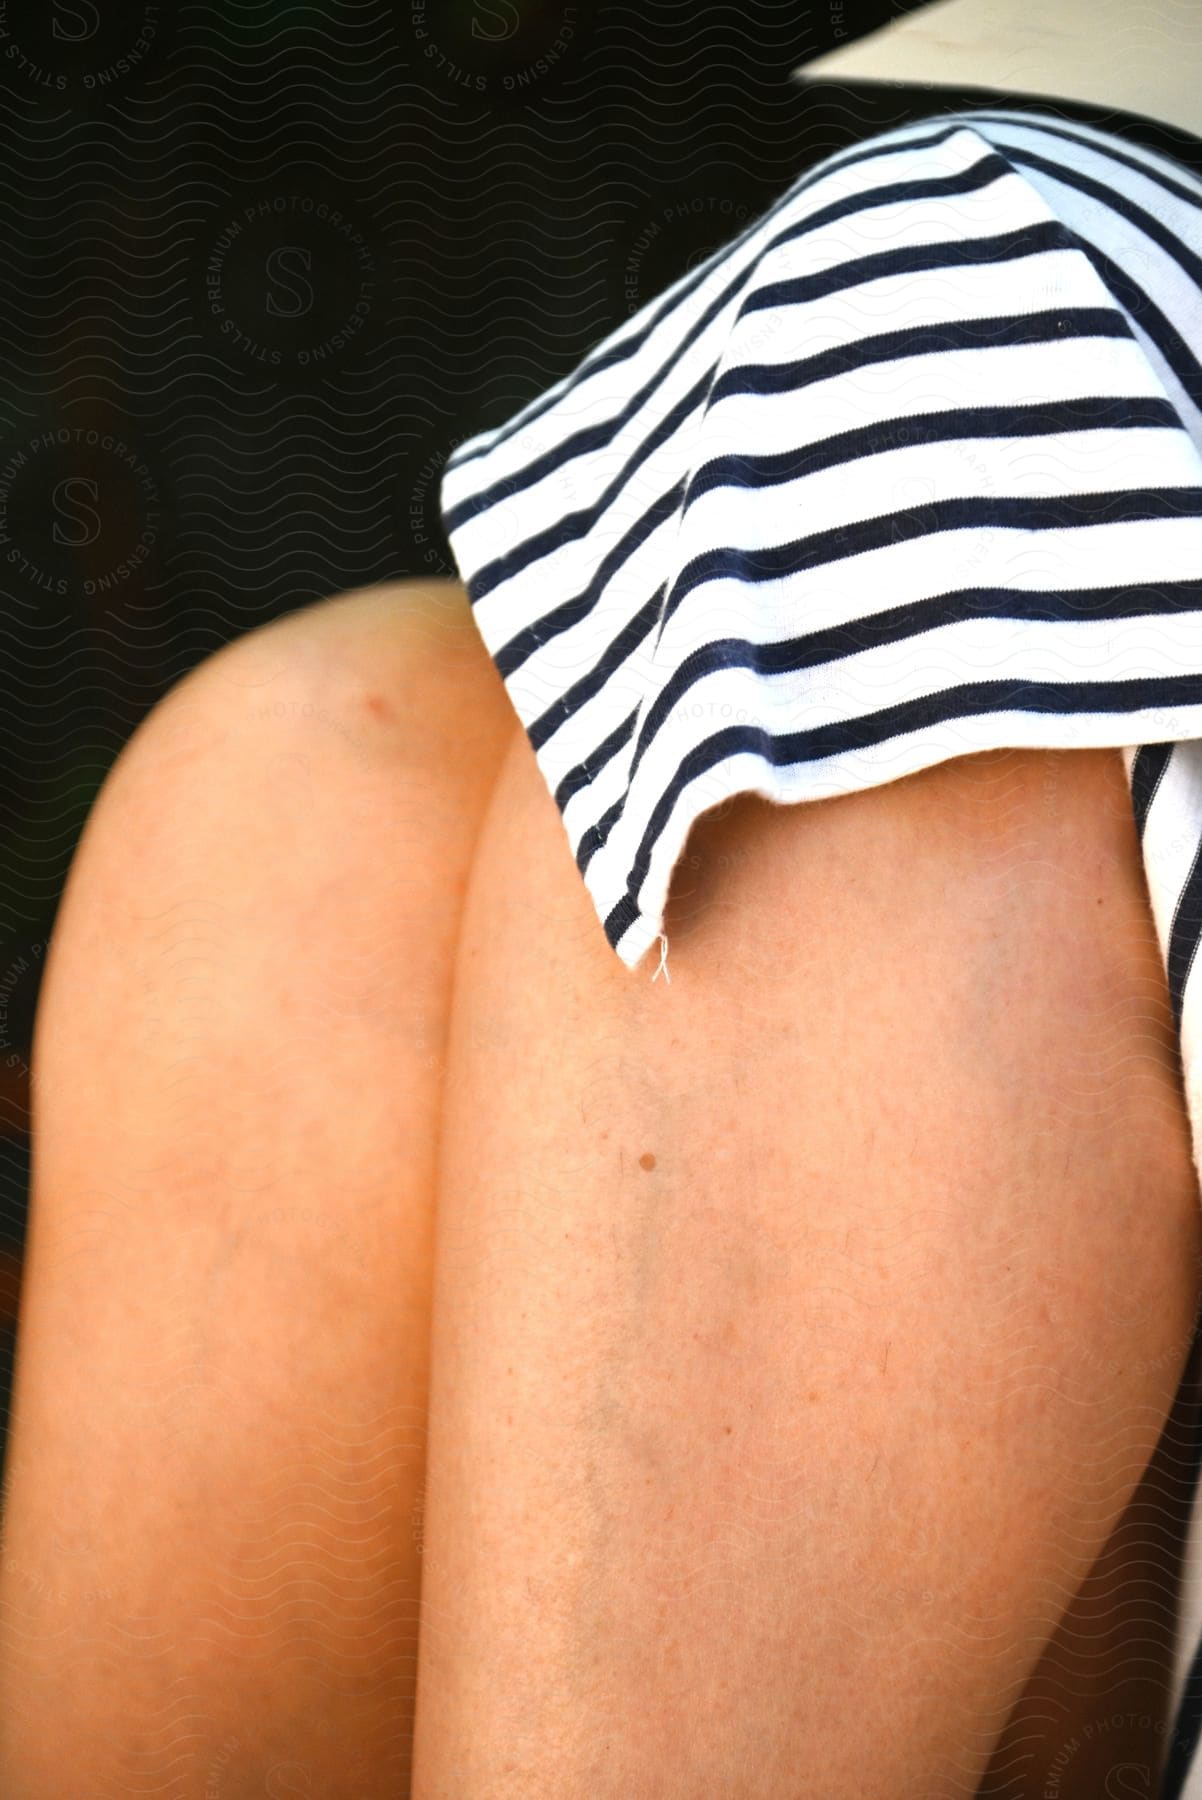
{"x": 802, "y": 1328}
{"x": 211, "y": 1555}
{"x": 961, "y": 1313}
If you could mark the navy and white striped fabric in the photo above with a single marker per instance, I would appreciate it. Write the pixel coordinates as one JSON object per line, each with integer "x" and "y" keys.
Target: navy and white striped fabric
{"x": 910, "y": 468}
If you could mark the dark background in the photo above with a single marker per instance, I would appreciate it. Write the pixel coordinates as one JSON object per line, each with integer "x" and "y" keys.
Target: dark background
{"x": 262, "y": 268}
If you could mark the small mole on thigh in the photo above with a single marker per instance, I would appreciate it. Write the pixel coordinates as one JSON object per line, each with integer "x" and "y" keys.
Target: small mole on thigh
{"x": 378, "y": 706}
{"x": 646, "y": 1160}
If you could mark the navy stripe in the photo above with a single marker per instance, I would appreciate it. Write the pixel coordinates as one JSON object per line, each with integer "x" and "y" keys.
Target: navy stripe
{"x": 561, "y": 618}
{"x": 1187, "y": 1727}
{"x": 571, "y": 527}
{"x": 607, "y": 356}
{"x": 1122, "y": 412}
{"x": 580, "y": 692}
{"x": 1183, "y": 936}
{"x": 1152, "y": 321}
{"x": 1031, "y": 239}
{"x": 1104, "y": 152}
{"x": 963, "y": 423}
{"x": 1154, "y": 324}
{"x": 828, "y": 281}
{"x": 914, "y": 618}
{"x": 1054, "y": 326}
{"x": 962, "y": 701}
{"x": 596, "y": 835}
{"x": 1147, "y": 773}
{"x": 1035, "y": 512}
{"x": 1187, "y": 1724}
{"x": 586, "y": 772}
{"x": 1117, "y": 202}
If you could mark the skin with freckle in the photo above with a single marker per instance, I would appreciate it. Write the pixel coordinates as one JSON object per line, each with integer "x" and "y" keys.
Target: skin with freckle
{"x": 966, "y": 1099}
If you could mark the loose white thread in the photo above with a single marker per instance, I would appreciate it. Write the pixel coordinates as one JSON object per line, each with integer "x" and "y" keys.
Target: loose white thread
{"x": 663, "y": 959}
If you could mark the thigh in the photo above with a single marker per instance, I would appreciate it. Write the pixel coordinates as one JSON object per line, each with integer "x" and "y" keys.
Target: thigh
{"x": 801, "y": 1328}
{"x": 1095, "y": 1718}
{"x": 212, "y": 1530}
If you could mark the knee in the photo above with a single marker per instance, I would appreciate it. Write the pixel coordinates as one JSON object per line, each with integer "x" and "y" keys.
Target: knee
{"x": 301, "y": 723}
{"x": 265, "y": 793}
{"x": 360, "y": 649}
{"x": 351, "y": 658}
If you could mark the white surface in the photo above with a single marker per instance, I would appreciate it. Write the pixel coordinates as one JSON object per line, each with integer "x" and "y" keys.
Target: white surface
{"x": 1144, "y": 58}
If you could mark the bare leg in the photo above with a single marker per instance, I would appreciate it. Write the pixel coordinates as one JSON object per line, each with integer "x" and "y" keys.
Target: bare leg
{"x": 1096, "y": 1715}
{"x": 211, "y": 1548}
{"x": 801, "y": 1329}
